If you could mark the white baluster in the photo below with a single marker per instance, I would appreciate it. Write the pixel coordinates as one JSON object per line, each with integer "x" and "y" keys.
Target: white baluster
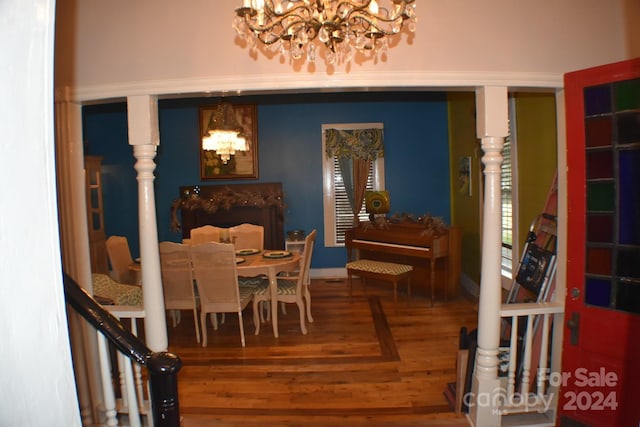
{"x": 132, "y": 400}
{"x": 107, "y": 385}
{"x": 526, "y": 371}
{"x": 542, "y": 366}
{"x": 513, "y": 351}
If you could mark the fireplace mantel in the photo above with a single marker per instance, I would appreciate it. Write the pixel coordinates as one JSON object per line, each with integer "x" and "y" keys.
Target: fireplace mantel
{"x": 230, "y": 205}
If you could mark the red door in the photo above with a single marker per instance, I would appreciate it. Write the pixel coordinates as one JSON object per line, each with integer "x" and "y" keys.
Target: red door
{"x": 601, "y": 350}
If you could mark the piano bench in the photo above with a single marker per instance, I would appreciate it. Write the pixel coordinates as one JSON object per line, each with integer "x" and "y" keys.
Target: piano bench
{"x": 387, "y": 271}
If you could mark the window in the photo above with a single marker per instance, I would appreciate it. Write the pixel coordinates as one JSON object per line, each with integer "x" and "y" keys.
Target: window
{"x": 507, "y": 199}
{"x": 506, "y": 204}
{"x": 338, "y": 216}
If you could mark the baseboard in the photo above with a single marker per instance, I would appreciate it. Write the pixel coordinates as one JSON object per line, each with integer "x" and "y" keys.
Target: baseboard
{"x": 471, "y": 287}
{"x": 328, "y": 273}
{"x": 467, "y": 284}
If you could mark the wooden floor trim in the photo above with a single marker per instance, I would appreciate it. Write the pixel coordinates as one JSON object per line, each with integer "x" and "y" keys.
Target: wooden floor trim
{"x": 388, "y": 349}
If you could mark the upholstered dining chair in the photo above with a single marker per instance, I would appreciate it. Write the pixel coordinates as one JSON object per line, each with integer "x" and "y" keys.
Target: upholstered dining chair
{"x": 120, "y": 259}
{"x": 291, "y": 289}
{"x": 214, "y": 266}
{"x": 177, "y": 281}
{"x": 204, "y": 234}
{"x": 247, "y": 236}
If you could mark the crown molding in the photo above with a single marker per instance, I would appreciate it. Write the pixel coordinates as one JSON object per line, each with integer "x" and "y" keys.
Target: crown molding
{"x": 237, "y": 85}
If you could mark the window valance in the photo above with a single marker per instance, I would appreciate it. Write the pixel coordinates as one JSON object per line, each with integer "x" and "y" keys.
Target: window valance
{"x": 365, "y": 144}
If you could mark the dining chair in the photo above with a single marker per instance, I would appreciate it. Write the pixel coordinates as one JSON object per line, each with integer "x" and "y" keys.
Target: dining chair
{"x": 177, "y": 281}
{"x": 204, "y": 234}
{"x": 308, "y": 246}
{"x": 291, "y": 289}
{"x": 214, "y": 266}
{"x": 120, "y": 259}
{"x": 247, "y": 236}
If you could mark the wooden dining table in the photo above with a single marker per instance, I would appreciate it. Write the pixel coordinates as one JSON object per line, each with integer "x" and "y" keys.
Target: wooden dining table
{"x": 250, "y": 265}
{"x": 256, "y": 264}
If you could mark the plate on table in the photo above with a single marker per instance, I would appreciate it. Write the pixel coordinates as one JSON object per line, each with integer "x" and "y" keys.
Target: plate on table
{"x": 240, "y": 260}
{"x": 276, "y": 254}
{"x": 247, "y": 251}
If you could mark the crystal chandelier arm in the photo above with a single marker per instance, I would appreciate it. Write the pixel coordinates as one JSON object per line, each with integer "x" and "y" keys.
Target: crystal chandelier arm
{"x": 371, "y": 24}
{"x": 362, "y": 17}
{"x": 301, "y": 13}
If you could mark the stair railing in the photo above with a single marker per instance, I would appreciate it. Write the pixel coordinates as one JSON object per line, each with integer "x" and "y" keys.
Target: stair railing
{"x": 532, "y": 359}
{"x": 162, "y": 367}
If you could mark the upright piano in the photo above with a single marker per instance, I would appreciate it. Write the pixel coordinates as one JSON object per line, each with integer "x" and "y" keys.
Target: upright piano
{"x": 436, "y": 259}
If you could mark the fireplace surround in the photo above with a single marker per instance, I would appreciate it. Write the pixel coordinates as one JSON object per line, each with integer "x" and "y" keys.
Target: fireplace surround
{"x": 230, "y": 205}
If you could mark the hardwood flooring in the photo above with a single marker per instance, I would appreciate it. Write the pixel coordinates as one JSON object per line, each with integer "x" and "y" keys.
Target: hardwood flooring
{"x": 363, "y": 362}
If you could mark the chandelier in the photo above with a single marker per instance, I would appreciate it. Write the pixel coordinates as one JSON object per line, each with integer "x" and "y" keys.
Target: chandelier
{"x": 224, "y": 134}
{"x": 293, "y": 26}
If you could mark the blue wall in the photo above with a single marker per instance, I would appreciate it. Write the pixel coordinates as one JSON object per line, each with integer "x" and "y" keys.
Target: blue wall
{"x": 290, "y": 152}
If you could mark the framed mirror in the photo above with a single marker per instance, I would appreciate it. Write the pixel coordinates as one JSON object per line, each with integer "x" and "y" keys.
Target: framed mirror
{"x": 240, "y": 164}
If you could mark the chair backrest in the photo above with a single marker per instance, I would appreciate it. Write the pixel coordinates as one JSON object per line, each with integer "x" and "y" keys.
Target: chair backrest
{"x": 120, "y": 259}
{"x": 307, "y": 252}
{"x": 247, "y": 236}
{"x": 214, "y": 266}
{"x": 204, "y": 234}
{"x": 177, "y": 276}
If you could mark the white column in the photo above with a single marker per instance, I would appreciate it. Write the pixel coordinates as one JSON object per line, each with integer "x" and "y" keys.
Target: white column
{"x": 142, "y": 114}
{"x": 74, "y": 237}
{"x": 492, "y": 128}
{"x": 72, "y": 191}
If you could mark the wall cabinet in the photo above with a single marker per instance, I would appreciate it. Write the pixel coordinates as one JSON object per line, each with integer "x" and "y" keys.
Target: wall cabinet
{"x": 95, "y": 214}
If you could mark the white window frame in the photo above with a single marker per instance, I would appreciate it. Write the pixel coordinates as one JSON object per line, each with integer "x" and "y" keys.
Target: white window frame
{"x": 507, "y": 273}
{"x": 329, "y": 172}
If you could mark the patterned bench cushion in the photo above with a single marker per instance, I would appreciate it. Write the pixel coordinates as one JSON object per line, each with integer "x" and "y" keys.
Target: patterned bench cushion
{"x": 381, "y": 267}
{"x": 120, "y": 294}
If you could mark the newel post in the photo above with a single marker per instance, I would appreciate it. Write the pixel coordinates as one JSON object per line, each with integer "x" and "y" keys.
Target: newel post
{"x": 163, "y": 380}
{"x": 492, "y": 128}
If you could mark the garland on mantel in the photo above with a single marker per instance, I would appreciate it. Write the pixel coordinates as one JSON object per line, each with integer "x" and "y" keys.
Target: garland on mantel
{"x": 433, "y": 225}
{"x": 226, "y": 200}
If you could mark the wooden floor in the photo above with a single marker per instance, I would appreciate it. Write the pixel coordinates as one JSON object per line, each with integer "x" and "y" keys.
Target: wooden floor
{"x": 363, "y": 362}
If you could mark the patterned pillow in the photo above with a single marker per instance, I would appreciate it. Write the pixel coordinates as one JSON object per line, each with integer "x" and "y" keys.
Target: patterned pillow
{"x": 108, "y": 289}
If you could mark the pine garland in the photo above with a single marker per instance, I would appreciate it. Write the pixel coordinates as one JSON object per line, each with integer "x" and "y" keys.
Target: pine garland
{"x": 226, "y": 200}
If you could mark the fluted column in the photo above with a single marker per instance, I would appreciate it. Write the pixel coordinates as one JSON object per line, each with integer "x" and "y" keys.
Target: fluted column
{"x": 72, "y": 190}
{"x": 142, "y": 114}
{"x": 492, "y": 128}
{"x": 74, "y": 237}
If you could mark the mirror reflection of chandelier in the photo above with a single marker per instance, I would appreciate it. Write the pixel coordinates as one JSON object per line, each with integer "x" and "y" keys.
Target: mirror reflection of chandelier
{"x": 224, "y": 134}
{"x": 294, "y": 25}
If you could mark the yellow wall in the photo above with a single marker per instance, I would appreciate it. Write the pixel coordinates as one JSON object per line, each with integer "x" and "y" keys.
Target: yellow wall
{"x": 465, "y": 209}
{"x": 536, "y": 166}
{"x": 536, "y": 153}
